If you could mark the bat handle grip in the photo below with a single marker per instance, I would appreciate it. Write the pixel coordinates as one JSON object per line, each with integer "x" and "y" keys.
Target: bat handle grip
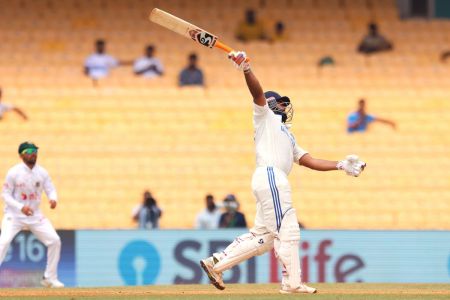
{"x": 226, "y": 48}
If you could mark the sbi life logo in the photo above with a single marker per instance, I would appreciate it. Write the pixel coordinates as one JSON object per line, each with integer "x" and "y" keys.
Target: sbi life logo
{"x": 139, "y": 263}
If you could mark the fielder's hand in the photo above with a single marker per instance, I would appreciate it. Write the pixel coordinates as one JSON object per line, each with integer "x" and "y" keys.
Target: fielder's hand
{"x": 351, "y": 165}
{"x": 27, "y": 211}
{"x": 239, "y": 59}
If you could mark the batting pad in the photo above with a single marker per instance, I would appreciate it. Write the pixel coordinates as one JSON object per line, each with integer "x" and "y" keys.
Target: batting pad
{"x": 243, "y": 248}
{"x": 286, "y": 247}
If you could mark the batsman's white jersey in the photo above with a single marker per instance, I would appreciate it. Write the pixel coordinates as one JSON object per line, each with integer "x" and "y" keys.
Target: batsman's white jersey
{"x": 24, "y": 186}
{"x": 275, "y": 145}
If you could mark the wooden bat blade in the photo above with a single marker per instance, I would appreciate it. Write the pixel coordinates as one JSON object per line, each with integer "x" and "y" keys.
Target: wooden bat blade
{"x": 182, "y": 27}
{"x": 187, "y": 29}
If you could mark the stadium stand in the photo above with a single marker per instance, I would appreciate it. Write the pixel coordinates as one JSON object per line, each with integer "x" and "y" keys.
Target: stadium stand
{"x": 104, "y": 146}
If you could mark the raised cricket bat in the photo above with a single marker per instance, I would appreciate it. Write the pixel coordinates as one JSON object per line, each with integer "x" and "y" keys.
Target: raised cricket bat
{"x": 187, "y": 29}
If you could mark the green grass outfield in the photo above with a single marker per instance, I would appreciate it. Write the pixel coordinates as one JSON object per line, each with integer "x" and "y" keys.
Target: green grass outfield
{"x": 237, "y": 291}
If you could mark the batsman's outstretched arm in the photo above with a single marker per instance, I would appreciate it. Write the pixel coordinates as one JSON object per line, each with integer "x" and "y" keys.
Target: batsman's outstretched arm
{"x": 242, "y": 63}
{"x": 317, "y": 164}
{"x": 352, "y": 165}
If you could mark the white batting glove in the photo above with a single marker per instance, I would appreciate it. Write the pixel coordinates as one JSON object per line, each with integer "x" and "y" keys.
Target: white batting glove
{"x": 238, "y": 58}
{"x": 352, "y": 165}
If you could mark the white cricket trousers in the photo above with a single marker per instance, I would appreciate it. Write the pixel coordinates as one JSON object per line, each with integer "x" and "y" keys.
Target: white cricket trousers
{"x": 276, "y": 226}
{"x": 273, "y": 198}
{"x": 41, "y": 227}
{"x": 275, "y": 214}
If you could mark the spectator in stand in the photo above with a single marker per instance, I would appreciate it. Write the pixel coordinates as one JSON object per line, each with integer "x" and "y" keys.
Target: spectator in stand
{"x": 279, "y": 33}
{"x": 4, "y": 107}
{"x": 148, "y": 66}
{"x": 251, "y": 29}
{"x": 99, "y": 64}
{"x": 445, "y": 55}
{"x": 191, "y": 75}
{"x": 374, "y": 42}
{"x": 360, "y": 119}
{"x": 232, "y": 218}
{"x": 210, "y": 216}
{"x": 148, "y": 213}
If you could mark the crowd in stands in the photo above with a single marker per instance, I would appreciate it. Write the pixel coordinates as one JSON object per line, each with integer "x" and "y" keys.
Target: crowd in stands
{"x": 101, "y": 63}
{"x": 212, "y": 217}
{"x": 148, "y": 213}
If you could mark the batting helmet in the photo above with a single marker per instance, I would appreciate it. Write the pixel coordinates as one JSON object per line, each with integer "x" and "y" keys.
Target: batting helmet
{"x": 280, "y": 105}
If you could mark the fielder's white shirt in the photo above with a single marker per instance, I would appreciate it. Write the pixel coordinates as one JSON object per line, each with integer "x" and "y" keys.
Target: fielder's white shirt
{"x": 100, "y": 64}
{"x": 4, "y": 108}
{"x": 275, "y": 145}
{"x": 145, "y": 62}
{"x": 24, "y": 186}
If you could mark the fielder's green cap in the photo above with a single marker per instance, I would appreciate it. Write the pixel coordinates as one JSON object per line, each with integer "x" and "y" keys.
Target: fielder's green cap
{"x": 27, "y": 145}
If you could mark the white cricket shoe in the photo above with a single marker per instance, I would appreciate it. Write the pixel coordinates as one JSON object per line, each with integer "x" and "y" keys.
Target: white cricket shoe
{"x": 51, "y": 283}
{"x": 302, "y": 289}
{"x": 215, "y": 277}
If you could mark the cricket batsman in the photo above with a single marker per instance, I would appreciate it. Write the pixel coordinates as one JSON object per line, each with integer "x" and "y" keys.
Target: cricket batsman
{"x": 276, "y": 222}
{"x": 22, "y": 191}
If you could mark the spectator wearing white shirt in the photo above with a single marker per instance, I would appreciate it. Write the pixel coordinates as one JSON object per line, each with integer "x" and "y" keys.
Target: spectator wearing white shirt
{"x": 209, "y": 217}
{"x": 99, "y": 64}
{"x": 4, "y": 107}
{"x": 148, "y": 66}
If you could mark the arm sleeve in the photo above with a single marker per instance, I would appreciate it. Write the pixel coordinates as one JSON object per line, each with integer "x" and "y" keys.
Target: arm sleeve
{"x": 112, "y": 62}
{"x": 159, "y": 66}
{"x": 8, "y": 107}
{"x": 182, "y": 78}
{"x": 298, "y": 153}
{"x": 244, "y": 221}
{"x": 201, "y": 80}
{"x": 259, "y": 113}
{"x": 8, "y": 190}
{"x": 87, "y": 62}
{"x": 370, "y": 118}
{"x": 49, "y": 188}
{"x": 197, "y": 222}
{"x": 352, "y": 118}
{"x": 137, "y": 65}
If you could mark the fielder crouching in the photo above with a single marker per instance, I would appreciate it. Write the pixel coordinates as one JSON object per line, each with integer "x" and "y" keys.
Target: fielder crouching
{"x": 22, "y": 191}
{"x": 276, "y": 224}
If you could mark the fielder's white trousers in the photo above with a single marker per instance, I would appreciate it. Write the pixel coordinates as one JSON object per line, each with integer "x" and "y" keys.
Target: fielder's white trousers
{"x": 41, "y": 227}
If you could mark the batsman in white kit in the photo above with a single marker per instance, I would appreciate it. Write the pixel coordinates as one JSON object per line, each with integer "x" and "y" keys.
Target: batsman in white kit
{"x": 22, "y": 195}
{"x": 276, "y": 225}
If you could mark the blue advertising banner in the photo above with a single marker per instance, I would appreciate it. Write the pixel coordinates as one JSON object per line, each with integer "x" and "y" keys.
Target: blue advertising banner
{"x": 26, "y": 259}
{"x": 110, "y": 258}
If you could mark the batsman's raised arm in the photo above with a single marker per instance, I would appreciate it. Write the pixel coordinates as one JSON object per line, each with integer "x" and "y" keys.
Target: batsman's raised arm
{"x": 240, "y": 61}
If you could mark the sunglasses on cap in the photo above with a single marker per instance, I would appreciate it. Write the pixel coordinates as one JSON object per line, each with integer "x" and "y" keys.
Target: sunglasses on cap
{"x": 29, "y": 151}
